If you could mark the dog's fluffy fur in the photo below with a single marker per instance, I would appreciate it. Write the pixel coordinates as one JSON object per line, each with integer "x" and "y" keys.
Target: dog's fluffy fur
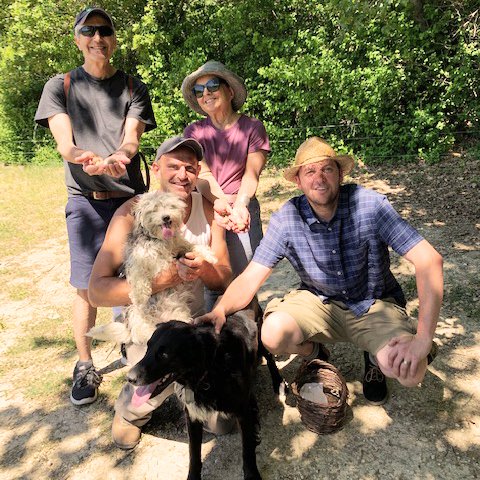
{"x": 216, "y": 372}
{"x": 154, "y": 243}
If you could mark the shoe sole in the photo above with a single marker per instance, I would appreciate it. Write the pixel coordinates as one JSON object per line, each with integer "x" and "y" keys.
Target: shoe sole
{"x": 83, "y": 401}
{"x": 125, "y": 447}
{"x": 378, "y": 402}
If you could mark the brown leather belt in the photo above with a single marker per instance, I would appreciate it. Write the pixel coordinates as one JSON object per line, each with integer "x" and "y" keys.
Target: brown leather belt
{"x": 107, "y": 195}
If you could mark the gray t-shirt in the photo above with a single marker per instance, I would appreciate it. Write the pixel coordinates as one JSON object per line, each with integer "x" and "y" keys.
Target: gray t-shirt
{"x": 97, "y": 111}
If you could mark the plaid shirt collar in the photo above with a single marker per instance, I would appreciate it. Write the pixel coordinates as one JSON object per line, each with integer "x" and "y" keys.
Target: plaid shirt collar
{"x": 309, "y": 216}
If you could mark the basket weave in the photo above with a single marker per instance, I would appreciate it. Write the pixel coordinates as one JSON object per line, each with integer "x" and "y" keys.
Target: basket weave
{"x": 316, "y": 417}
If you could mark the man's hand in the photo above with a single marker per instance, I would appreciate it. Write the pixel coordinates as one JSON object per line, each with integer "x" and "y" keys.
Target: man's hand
{"x": 216, "y": 317}
{"x": 114, "y": 165}
{"x": 235, "y": 218}
{"x": 190, "y": 266}
{"x": 167, "y": 279}
{"x": 406, "y": 353}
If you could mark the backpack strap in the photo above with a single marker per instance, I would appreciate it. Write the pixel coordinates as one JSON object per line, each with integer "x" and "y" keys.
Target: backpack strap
{"x": 66, "y": 84}
{"x": 147, "y": 170}
{"x": 130, "y": 86}
{"x": 140, "y": 154}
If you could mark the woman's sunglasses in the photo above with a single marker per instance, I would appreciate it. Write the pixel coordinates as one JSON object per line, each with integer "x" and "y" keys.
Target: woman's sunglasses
{"x": 212, "y": 86}
{"x": 90, "y": 30}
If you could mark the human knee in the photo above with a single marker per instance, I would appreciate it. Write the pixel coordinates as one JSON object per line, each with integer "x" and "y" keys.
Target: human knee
{"x": 280, "y": 333}
{"x": 272, "y": 335}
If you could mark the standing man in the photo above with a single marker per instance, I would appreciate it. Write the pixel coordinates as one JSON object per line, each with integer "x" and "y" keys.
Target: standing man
{"x": 97, "y": 115}
{"x": 176, "y": 167}
{"x": 336, "y": 237}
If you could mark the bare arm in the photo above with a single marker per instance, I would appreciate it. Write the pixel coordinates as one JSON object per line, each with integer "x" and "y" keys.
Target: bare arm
{"x": 429, "y": 277}
{"x": 207, "y": 185}
{"x": 237, "y": 218}
{"x": 105, "y": 288}
{"x": 61, "y": 129}
{"x": 255, "y": 164}
{"x": 114, "y": 165}
{"x": 428, "y": 265}
{"x": 238, "y": 295}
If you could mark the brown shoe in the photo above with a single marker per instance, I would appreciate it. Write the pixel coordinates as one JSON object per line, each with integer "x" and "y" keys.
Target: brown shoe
{"x": 125, "y": 435}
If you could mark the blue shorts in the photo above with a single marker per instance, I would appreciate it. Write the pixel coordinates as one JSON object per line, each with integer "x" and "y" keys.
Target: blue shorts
{"x": 87, "y": 223}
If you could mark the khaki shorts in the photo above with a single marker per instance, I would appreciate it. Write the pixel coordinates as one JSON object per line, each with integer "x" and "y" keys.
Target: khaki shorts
{"x": 334, "y": 322}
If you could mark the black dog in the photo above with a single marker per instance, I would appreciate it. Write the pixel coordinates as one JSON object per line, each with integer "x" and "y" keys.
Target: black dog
{"x": 218, "y": 369}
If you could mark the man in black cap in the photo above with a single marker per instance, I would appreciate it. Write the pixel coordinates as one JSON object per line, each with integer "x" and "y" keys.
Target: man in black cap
{"x": 176, "y": 167}
{"x": 97, "y": 115}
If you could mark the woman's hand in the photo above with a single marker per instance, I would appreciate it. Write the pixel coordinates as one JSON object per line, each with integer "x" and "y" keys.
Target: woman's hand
{"x": 235, "y": 218}
{"x": 240, "y": 219}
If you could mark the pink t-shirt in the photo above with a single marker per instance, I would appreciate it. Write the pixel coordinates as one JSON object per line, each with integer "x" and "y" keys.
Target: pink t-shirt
{"x": 226, "y": 150}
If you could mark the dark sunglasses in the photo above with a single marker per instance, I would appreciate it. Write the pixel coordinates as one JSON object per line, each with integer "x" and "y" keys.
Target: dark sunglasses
{"x": 212, "y": 86}
{"x": 91, "y": 30}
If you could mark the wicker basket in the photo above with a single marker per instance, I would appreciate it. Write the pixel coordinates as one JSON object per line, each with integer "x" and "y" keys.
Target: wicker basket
{"x": 316, "y": 417}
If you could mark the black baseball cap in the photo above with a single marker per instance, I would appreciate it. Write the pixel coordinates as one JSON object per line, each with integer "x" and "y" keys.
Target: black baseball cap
{"x": 172, "y": 144}
{"x": 84, "y": 14}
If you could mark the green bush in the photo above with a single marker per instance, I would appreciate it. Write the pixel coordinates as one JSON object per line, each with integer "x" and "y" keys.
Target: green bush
{"x": 384, "y": 79}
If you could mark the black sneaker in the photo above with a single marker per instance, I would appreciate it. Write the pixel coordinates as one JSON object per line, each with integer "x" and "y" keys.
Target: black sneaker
{"x": 374, "y": 383}
{"x": 85, "y": 383}
{"x": 319, "y": 352}
{"x": 323, "y": 352}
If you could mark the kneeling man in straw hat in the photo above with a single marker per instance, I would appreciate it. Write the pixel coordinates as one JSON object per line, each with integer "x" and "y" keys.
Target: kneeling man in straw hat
{"x": 337, "y": 237}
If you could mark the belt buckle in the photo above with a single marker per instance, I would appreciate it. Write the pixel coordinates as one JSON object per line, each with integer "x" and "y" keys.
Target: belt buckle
{"x": 100, "y": 195}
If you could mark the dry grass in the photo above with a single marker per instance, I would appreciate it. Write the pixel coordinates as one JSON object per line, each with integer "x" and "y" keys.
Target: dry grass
{"x": 33, "y": 253}
{"x": 31, "y": 207}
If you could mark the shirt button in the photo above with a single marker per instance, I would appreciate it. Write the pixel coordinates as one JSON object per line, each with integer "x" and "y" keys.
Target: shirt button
{"x": 329, "y": 229}
{"x": 339, "y": 273}
{"x": 334, "y": 251}
{"x": 344, "y": 292}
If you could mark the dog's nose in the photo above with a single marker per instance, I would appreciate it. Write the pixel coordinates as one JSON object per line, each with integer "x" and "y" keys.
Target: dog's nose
{"x": 132, "y": 377}
{"x": 166, "y": 218}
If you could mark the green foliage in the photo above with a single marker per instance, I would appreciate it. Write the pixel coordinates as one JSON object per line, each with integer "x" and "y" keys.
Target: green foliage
{"x": 383, "y": 79}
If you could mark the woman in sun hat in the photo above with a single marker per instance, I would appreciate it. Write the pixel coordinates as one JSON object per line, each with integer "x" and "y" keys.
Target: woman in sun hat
{"x": 236, "y": 148}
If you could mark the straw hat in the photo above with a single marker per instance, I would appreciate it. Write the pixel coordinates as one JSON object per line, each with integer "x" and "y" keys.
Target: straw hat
{"x": 218, "y": 69}
{"x": 314, "y": 150}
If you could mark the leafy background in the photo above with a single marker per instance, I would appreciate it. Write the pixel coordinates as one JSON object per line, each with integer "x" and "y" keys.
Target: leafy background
{"x": 391, "y": 81}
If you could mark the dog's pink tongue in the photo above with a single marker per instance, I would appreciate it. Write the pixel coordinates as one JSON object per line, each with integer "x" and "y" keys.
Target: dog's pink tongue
{"x": 143, "y": 393}
{"x": 167, "y": 232}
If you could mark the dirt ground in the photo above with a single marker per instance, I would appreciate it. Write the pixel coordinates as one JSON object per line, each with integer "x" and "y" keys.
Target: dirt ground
{"x": 428, "y": 432}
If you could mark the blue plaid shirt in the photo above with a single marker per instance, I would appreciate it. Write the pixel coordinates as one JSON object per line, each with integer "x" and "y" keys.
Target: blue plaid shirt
{"x": 346, "y": 259}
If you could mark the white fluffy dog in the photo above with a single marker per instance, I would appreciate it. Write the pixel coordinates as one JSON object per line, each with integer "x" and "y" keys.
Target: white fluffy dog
{"x": 154, "y": 243}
